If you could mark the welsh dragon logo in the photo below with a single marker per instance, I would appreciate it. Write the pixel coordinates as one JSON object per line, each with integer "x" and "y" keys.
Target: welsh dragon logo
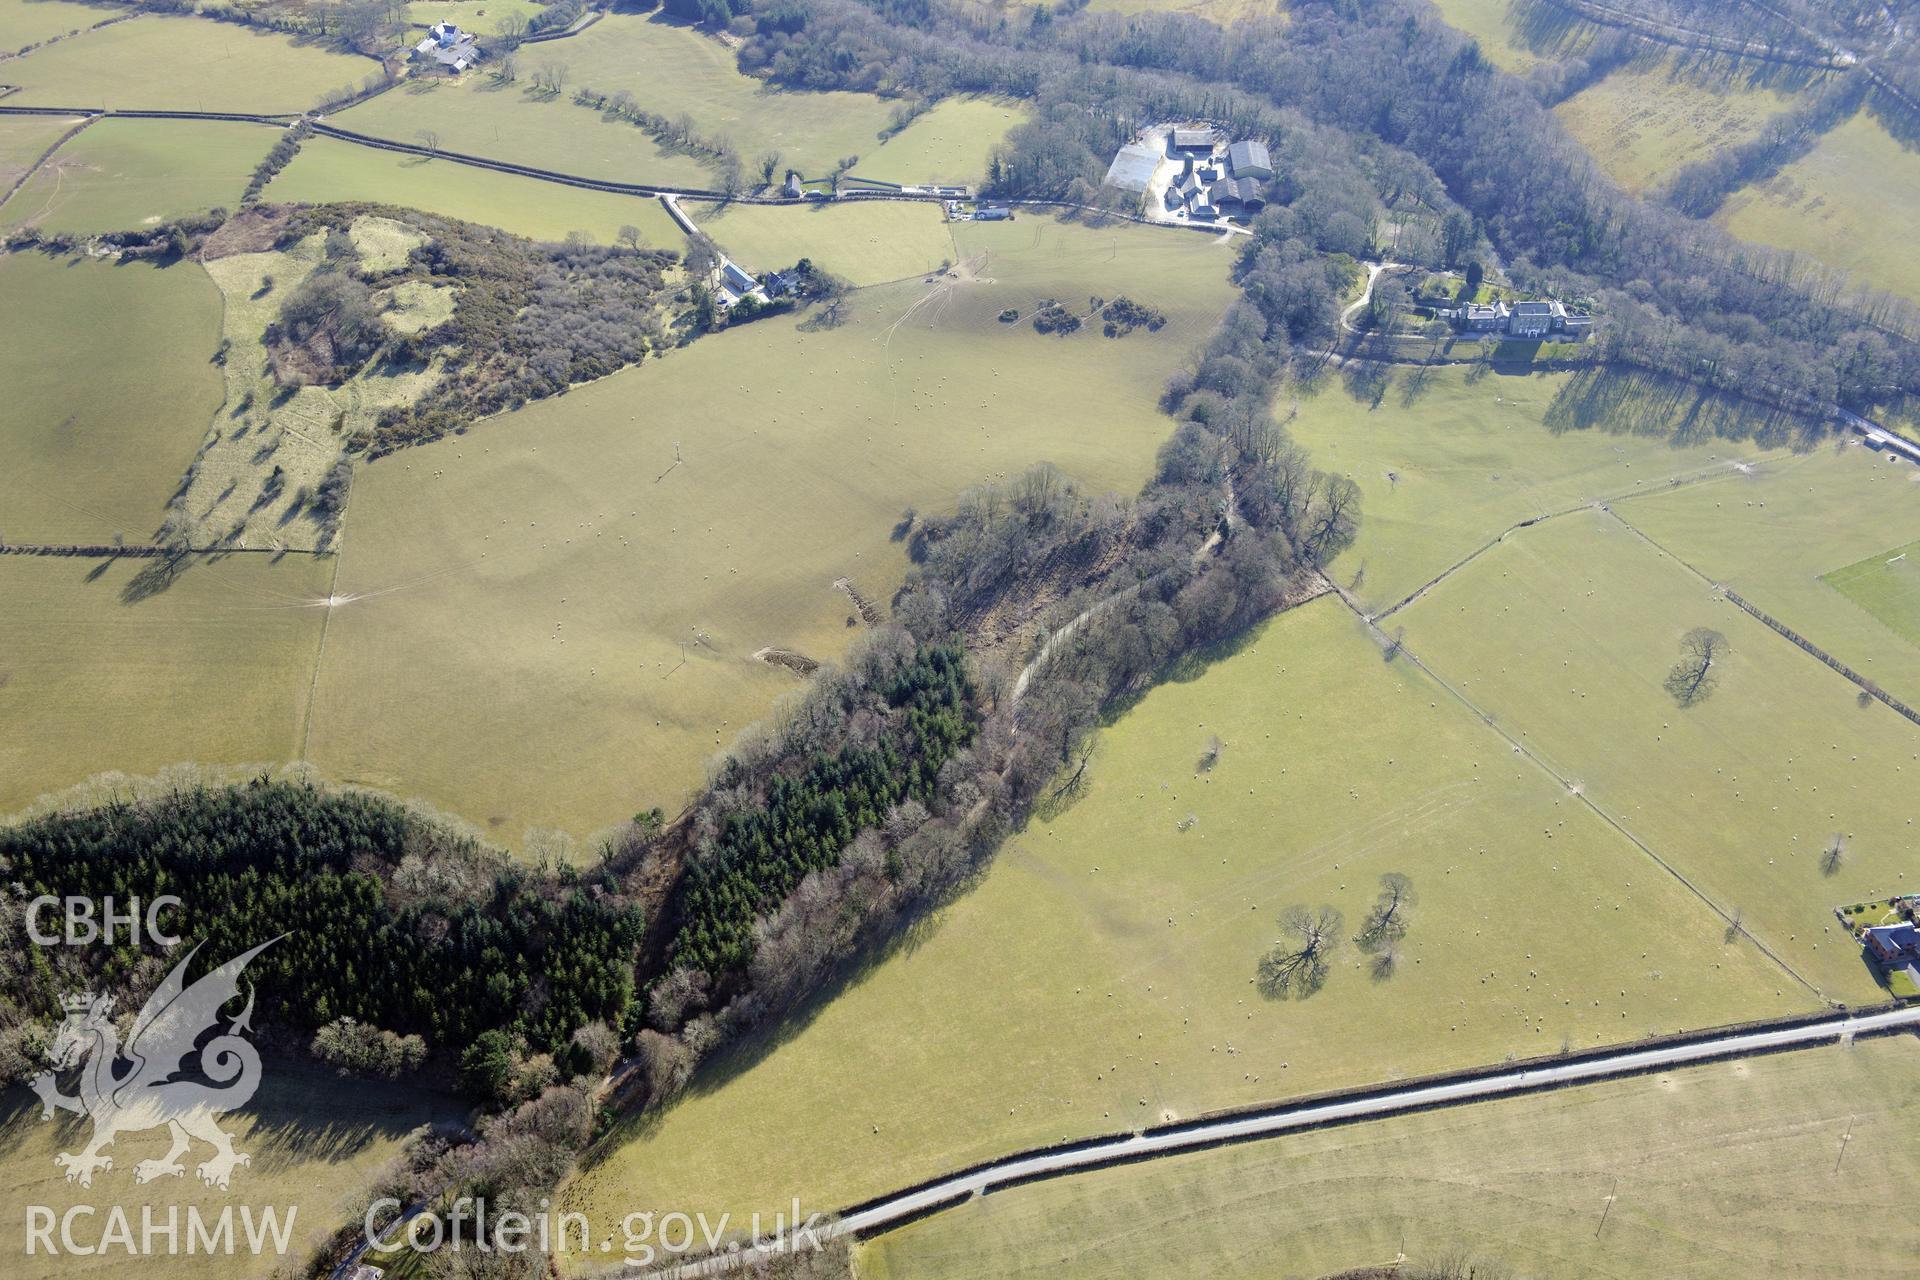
{"x": 148, "y": 1092}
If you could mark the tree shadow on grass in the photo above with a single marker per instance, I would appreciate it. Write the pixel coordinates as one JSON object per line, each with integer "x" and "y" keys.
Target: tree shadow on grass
{"x": 1634, "y": 402}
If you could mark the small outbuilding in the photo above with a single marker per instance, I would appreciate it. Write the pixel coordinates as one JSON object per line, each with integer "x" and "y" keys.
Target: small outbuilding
{"x": 737, "y": 279}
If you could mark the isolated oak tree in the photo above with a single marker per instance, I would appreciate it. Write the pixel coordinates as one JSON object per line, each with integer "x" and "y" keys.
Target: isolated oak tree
{"x": 1386, "y": 921}
{"x": 1696, "y": 675}
{"x": 1298, "y": 963}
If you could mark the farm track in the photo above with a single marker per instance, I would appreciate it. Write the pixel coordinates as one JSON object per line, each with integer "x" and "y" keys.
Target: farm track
{"x": 1321, "y": 1111}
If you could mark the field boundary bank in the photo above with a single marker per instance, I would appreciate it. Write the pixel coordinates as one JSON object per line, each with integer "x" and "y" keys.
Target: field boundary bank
{"x": 1687, "y": 38}
{"x": 641, "y": 189}
{"x": 1863, "y": 683}
{"x": 64, "y": 35}
{"x": 140, "y": 550}
{"x": 1487, "y": 718}
{"x": 40, "y": 160}
{"x": 1514, "y": 1078}
{"x": 1602, "y": 503}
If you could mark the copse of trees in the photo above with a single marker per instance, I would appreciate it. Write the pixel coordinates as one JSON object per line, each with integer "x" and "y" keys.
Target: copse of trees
{"x": 803, "y": 821}
{"x": 387, "y": 919}
{"x": 528, "y": 319}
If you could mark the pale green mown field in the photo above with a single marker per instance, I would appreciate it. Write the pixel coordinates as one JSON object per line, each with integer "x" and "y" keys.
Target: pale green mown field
{"x": 122, "y": 175}
{"x": 1848, "y": 203}
{"x": 1466, "y": 460}
{"x": 1564, "y": 634}
{"x": 1644, "y": 121}
{"x": 214, "y": 669}
{"x": 1886, "y": 585}
{"x": 673, "y": 69}
{"x": 1100, "y": 977}
{"x": 23, "y": 140}
{"x": 182, "y": 64}
{"x": 317, "y": 1142}
{"x": 330, "y": 170}
{"x": 863, "y": 242}
{"x": 1784, "y": 535}
{"x": 1720, "y": 1170}
{"x": 1492, "y": 23}
{"x": 556, "y": 623}
{"x": 109, "y": 387}
{"x": 948, "y": 144}
{"x": 478, "y": 116}
{"x": 482, "y": 17}
{"x": 25, "y": 22}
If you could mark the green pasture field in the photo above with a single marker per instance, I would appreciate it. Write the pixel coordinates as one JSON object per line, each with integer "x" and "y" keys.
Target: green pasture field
{"x": 1643, "y": 121}
{"x": 671, "y": 68}
{"x": 25, "y": 22}
{"x": 23, "y": 140}
{"x": 109, "y": 387}
{"x": 1886, "y": 585}
{"x": 123, "y": 175}
{"x": 482, "y": 17}
{"x": 1773, "y": 535}
{"x": 1100, "y": 977}
{"x": 1449, "y": 462}
{"x": 1848, "y": 203}
{"x": 316, "y": 1141}
{"x": 221, "y": 661}
{"x": 182, "y": 64}
{"x": 1707, "y": 1170}
{"x": 864, "y": 242}
{"x": 1564, "y": 634}
{"x": 948, "y": 144}
{"x": 330, "y": 170}
{"x": 550, "y": 623}
{"x": 1492, "y": 23}
{"x": 479, "y": 116}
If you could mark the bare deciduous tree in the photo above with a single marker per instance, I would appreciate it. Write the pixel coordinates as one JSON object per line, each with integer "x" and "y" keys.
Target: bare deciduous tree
{"x": 1386, "y": 921}
{"x": 1693, "y": 678}
{"x": 1833, "y": 855}
{"x": 1298, "y": 962}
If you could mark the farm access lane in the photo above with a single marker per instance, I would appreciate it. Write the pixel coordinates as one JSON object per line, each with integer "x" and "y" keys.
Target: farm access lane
{"x": 1459, "y": 1089}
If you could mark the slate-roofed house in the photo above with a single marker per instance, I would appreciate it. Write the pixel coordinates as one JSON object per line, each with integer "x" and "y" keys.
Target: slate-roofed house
{"x": 1897, "y": 948}
{"x": 1249, "y": 160}
{"x": 1893, "y": 944}
{"x": 1531, "y": 320}
{"x": 448, "y": 47}
{"x": 1484, "y": 318}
